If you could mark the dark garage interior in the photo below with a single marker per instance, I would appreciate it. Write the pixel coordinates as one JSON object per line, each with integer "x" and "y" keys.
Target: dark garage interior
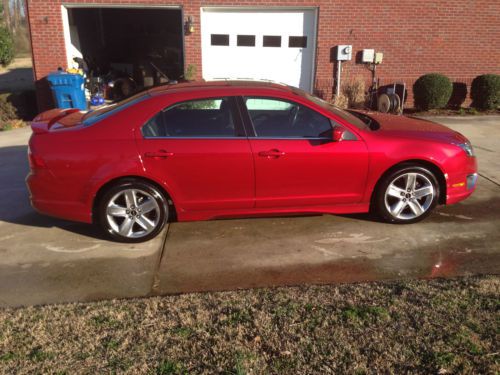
{"x": 139, "y": 46}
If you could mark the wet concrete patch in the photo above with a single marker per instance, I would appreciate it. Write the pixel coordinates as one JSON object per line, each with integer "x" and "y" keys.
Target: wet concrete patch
{"x": 231, "y": 254}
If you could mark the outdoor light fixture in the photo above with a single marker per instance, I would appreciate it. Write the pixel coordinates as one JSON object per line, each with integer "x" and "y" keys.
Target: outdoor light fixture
{"x": 189, "y": 26}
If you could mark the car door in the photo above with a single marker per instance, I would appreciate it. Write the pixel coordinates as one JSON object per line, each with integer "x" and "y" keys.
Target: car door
{"x": 296, "y": 161}
{"x": 199, "y": 149}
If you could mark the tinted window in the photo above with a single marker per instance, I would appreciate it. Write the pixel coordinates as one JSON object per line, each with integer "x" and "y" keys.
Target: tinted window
{"x": 354, "y": 120}
{"x": 196, "y": 118}
{"x": 245, "y": 41}
{"x": 219, "y": 39}
{"x": 96, "y": 115}
{"x": 297, "y": 41}
{"x": 271, "y": 41}
{"x": 284, "y": 119}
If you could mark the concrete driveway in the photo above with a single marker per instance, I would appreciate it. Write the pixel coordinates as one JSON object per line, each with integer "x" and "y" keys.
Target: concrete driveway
{"x": 45, "y": 260}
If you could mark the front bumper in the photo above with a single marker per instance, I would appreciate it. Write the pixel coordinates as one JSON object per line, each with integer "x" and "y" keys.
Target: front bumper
{"x": 460, "y": 185}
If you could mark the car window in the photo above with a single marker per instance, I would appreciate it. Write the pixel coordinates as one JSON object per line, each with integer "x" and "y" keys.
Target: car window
{"x": 278, "y": 118}
{"x": 97, "y": 115}
{"x": 194, "y": 118}
{"x": 350, "y": 117}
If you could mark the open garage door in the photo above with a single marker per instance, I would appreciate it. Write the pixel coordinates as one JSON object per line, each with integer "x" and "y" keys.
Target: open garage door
{"x": 143, "y": 44}
{"x": 277, "y": 45}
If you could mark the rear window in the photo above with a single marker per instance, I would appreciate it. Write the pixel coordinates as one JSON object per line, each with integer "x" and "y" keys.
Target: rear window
{"x": 97, "y": 115}
{"x": 205, "y": 118}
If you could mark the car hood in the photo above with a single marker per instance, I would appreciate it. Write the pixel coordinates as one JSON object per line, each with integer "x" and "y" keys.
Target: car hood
{"x": 411, "y": 127}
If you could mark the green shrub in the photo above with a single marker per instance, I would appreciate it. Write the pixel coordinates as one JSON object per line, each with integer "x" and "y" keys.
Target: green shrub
{"x": 7, "y": 110}
{"x": 432, "y": 91}
{"x": 485, "y": 91}
{"x": 6, "y": 47}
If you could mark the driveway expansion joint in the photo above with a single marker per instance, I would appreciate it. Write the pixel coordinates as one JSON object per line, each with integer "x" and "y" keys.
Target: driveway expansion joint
{"x": 155, "y": 286}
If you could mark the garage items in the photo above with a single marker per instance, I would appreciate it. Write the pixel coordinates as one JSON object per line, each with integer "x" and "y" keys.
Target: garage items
{"x": 68, "y": 90}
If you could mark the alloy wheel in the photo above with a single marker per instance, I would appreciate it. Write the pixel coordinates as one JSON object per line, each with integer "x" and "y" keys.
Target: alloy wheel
{"x": 133, "y": 213}
{"x": 409, "y": 196}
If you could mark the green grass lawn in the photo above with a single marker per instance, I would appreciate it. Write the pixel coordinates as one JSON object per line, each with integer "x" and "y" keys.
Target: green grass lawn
{"x": 436, "y": 326}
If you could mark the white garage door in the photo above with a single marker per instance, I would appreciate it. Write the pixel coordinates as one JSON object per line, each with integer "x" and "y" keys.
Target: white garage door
{"x": 277, "y": 45}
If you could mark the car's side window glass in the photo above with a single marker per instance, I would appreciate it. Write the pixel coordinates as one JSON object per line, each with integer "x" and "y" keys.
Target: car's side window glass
{"x": 276, "y": 118}
{"x": 209, "y": 118}
{"x": 154, "y": 127}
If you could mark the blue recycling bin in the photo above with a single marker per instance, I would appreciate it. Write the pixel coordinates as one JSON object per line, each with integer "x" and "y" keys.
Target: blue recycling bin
{"x": 68, "y": 90}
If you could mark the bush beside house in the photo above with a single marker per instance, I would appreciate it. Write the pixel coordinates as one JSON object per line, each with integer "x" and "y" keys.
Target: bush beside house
{"x": 485, "y": 91}
{"x": 432, "y": 91}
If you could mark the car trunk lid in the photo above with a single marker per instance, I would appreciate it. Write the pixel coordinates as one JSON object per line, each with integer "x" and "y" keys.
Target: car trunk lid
{"x": 56, "y": 119}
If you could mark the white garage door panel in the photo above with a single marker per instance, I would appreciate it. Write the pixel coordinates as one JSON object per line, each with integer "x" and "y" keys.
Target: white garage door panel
{"x": 290, "y": 65}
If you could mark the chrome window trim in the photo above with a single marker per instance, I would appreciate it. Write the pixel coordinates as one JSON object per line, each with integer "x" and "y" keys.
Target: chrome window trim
{"x": 292, "y": 138}
{"x": 200, "y": 137}
{"x": 249, "y": 138}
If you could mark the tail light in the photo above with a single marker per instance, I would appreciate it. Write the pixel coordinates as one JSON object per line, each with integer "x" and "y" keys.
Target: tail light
{"x": 35, "y": 161}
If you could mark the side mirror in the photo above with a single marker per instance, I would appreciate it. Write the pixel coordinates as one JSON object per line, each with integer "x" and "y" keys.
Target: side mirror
{"x": 338, "y": 133}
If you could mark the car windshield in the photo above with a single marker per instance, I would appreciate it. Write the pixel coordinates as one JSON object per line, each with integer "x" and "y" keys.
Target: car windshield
{"x": 359, "y": 120}
{"x": 96, "y": 115}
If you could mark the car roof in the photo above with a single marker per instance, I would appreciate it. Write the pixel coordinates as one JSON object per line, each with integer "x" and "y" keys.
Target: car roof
{"x": 203, "y": 85}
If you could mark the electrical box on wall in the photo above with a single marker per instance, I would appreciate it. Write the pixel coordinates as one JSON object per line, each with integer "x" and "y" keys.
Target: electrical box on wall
{"x": 368, "y": 55}
{"x": 344, "y": 52}
{"x": 379, "y": 56}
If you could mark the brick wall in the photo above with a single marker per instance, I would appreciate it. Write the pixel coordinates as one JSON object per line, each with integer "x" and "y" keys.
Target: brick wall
{"x": 458, "y": 38}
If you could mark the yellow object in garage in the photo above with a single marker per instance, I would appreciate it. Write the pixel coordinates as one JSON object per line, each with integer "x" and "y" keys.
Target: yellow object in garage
{"x": 74, "y": 71}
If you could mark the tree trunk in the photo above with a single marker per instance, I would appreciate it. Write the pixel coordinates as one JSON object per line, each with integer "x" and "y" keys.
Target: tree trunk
{"x": 16, "y": 19}
{"x": 6, "y": 15}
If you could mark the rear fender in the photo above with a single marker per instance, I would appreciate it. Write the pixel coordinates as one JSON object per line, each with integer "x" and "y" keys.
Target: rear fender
{"x": 128, "y": 169}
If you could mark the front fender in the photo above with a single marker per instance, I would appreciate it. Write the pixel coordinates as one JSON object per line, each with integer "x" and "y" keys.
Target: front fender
{"x": 389, "y": 156}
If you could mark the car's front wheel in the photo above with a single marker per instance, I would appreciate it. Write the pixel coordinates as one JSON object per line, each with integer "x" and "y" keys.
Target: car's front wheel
{"x": 407, "y": 195}
{"x": 133, "y": 211}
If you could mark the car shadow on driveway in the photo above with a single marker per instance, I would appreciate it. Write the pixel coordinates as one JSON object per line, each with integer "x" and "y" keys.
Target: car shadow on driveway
{"x": 15, "y": 207}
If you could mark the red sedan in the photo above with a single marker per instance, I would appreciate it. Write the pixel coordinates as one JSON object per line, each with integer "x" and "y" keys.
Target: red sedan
{"x": 200, "y": 151}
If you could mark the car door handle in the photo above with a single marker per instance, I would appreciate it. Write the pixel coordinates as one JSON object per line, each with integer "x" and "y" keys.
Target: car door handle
{"x": 160, "y": 154}
{"x": 274, "y": 153}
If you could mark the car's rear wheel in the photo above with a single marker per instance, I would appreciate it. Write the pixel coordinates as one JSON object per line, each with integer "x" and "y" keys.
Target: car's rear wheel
{"x": 407, "y": 195}
{"x": 133, "y": 211}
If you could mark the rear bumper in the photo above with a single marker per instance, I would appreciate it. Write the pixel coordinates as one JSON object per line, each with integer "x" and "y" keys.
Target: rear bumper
{"x": 45, "y": 200}
{"x": 460, "y": 185}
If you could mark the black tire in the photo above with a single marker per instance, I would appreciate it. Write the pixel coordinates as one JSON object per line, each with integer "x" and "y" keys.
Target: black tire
{"x": 143, "y": 192}
{"x": 384, "y": 200}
